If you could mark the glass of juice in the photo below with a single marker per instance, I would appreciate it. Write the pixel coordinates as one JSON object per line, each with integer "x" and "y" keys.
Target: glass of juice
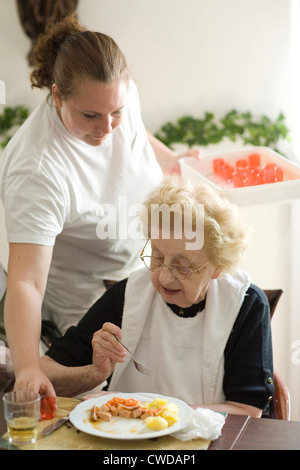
{"x": 22, "y": 414}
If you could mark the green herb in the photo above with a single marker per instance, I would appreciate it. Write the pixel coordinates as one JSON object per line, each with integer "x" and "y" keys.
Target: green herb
{"x": 193, "y": 131}
{"x": 10, "y": 120}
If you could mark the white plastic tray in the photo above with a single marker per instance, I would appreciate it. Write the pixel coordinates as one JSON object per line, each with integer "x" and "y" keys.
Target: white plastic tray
{"x": 202, "y": 172}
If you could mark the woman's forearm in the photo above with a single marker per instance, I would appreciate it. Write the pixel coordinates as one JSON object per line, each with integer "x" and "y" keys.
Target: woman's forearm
{"x": 22, "y": 322}
{"x": 70, "y": 381}
{"x": 28, "y": 268}
{"x": 165, "y": 156}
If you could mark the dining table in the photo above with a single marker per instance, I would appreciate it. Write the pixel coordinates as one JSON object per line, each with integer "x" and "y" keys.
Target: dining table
{"x": 239, "y": 432}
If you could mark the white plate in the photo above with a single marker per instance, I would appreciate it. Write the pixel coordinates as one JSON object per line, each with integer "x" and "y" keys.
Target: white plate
{"x": 122, "y": 428}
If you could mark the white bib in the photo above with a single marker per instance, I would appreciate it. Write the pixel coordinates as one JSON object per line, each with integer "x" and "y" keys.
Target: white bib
{"x": 185, "y": 354}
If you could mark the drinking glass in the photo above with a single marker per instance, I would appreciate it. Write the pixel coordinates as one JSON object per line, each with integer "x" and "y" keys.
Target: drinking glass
{"x": 22, "y": 414}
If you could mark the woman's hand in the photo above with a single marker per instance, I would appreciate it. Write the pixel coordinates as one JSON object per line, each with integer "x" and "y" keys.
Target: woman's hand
{"x": 34, "y": 380}
{"x": 107, "y": 351}
{"x": 71, "y": 381}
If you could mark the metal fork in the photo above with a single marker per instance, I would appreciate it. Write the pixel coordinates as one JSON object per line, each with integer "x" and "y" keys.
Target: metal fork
{"x": 143, "y": 369}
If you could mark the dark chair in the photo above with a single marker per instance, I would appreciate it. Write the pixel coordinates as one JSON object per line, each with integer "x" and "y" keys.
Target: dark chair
{"x": 279, "y": 406}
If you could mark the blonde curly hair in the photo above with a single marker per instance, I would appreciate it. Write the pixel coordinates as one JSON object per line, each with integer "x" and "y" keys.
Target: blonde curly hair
{"x": 226, "y": 233}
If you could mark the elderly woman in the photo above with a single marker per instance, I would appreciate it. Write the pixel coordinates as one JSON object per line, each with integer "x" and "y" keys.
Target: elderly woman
{"x": 190, "y": 315}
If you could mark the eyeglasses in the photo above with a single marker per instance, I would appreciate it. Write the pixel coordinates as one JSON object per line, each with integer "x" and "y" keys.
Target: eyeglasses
{"x": 177, "y": 270}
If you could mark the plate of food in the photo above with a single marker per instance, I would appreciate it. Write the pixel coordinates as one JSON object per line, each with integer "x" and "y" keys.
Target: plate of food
{"x": 131, "y": 415}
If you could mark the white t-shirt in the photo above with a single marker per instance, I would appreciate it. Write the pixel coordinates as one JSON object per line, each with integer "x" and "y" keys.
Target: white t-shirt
{"x": 56, "y": 189}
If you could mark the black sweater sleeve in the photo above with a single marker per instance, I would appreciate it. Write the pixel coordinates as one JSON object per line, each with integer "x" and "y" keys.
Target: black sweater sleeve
{"x": 75, "y": 348}
{"x": 248, "y": 375}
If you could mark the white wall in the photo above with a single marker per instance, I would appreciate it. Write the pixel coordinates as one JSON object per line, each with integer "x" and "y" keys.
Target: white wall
{"x": 196, "y": 55}
{"x": 189, "y": 57}
{"x": 186, "y": 56}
